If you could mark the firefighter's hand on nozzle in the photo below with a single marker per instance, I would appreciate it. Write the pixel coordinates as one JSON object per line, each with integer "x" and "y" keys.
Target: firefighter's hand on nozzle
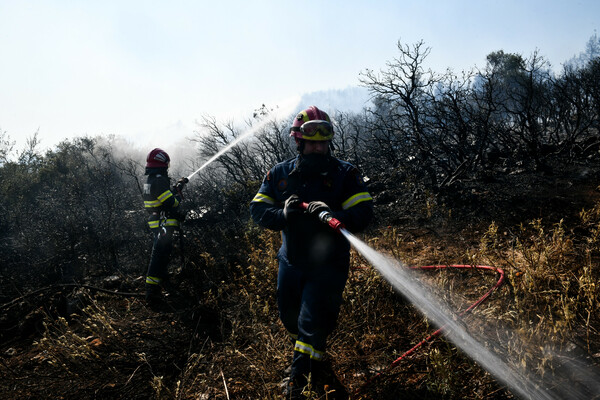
{"x": 316, "y": 208}
{"x": 292, "y": 206}
{"x": 181, "y": 183}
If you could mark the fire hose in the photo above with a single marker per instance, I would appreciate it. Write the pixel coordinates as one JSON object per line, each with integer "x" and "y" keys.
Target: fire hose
{"x": 335, "y": 224}
{"x": 499, "y": 283}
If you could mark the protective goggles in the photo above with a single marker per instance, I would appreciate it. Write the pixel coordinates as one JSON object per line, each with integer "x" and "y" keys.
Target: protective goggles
{"x": 314, "y": 128}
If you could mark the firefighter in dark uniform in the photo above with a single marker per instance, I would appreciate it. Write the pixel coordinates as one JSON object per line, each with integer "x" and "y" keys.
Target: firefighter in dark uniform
{"x": 162, "y": 203}
{"x": 313, "y": 259}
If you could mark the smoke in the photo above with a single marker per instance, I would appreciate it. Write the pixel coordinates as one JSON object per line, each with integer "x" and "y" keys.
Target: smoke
{"x": 350, "y": 99}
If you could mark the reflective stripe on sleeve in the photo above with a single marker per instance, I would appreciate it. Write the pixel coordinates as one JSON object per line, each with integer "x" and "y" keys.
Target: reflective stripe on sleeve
{"x": 161, "y": 199}
{"x": 357, "y": 198}
{"x": 308, "y": 349}
{"x": 263, "y": 198}
{"x": 165, "y": 195}
{"x": 152, "y": 203}
{"x": 153, "y": 224}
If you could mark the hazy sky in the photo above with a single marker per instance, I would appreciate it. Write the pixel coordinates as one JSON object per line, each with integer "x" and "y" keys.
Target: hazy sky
{"x": 147, "y": 70}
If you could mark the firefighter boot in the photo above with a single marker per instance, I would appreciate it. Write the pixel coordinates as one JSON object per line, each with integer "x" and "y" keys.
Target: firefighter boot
{"x": 169, "y": 288}
{"x": 292, "y": 389}
{"x": 154, "y": 298}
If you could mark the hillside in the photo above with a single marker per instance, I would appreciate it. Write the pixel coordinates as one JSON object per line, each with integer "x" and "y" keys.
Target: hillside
{"x": 222, "y": 338}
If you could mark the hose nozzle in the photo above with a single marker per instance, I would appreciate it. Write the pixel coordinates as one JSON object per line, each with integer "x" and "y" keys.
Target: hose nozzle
{"x": 326, "y": 218}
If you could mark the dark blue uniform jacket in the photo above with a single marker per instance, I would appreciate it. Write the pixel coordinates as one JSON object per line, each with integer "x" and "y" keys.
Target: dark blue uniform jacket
{"x": 307, "y": 242}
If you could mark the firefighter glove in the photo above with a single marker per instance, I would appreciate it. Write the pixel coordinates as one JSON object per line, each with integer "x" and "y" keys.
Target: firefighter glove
{"x": 181, "y": 184}
{"x": 291, "y": 206}
{"x": 317, "y": 207}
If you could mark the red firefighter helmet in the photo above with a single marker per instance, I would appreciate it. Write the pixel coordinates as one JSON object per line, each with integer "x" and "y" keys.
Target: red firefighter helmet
{"x": 157, "y": 158}
{"x": 312, "y": 124}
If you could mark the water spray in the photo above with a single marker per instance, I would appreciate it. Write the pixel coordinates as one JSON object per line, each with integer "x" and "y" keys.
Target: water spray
{"x": 401, "y": 278}
{"x": 225, "y": 149}
{"x": 287, "y": 107}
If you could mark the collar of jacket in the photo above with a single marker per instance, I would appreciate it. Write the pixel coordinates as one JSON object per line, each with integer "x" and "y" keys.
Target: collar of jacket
{"x": 154, "y": 171}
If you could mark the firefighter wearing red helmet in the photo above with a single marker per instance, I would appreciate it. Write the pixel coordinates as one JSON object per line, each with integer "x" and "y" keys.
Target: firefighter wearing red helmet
{"x": 313, "y": 259}
{"x": 162, "y": 203}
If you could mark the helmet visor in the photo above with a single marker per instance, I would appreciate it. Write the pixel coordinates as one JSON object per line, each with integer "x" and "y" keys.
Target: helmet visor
{"x": 316, "y": 130}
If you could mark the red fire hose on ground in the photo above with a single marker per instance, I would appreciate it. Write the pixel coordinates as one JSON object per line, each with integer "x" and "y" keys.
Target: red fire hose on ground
{"x": 440, "y": 330}
{"x": 337, "y": 225}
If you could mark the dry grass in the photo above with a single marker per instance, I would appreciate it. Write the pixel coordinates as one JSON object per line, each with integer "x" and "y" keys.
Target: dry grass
{"x": 548, "y": 307}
